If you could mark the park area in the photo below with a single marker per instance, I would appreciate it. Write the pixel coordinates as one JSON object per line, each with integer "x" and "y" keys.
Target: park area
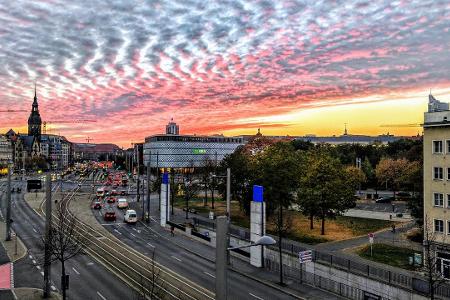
{"x": 341, "y": 228}
{"x": 388, "y": 254}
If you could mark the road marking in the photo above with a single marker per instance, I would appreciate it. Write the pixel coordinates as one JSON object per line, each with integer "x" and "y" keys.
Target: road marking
{"x": 90, "y": 263}
{"x": 132, "y": 234}
{"x": 42, "y": 273}
{"x": 100, "y": 295}
{"x": 34, "y": 230}
{"x": 255, "y": 296}
{"x": 134, "y": 229}
{"x": 210, "y": 274}
{"x": 34, "y": 262}
{"x": 38, "y": 267}
{"x": 175, "y": 258}
{"x": 117, "y": 231}
{"x": 53, "y": 288}
{"x": 150, "y": 245}
{"x": 78, "y": 273}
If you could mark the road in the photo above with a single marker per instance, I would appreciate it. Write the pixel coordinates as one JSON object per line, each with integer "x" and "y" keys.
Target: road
{"x": 198, "y": 267}
{"x": 88, "y": 279}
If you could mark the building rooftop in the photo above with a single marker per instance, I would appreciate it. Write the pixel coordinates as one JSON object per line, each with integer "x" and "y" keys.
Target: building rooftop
{"x": 438, "y": 114}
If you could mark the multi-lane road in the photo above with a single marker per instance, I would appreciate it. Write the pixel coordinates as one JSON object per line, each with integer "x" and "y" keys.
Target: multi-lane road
{"x": 88, "y": 278}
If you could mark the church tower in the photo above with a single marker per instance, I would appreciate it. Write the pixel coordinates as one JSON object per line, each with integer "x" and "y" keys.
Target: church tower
{"x": 34, "y": 120}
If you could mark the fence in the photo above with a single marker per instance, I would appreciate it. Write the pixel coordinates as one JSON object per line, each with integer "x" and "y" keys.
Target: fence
{"x": 402, "y": 280}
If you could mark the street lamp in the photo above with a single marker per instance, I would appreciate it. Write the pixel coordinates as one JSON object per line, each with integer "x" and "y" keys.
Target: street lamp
{"x": 228, "y": 192}
{"x": 222, "y": 251}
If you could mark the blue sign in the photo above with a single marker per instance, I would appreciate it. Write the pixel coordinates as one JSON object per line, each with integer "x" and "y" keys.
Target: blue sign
{"x": 165, "y": 179}
{"x": 258, "y": 193}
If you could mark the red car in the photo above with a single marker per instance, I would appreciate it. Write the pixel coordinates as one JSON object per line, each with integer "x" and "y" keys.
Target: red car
{"x": 109, "y": 216}
{"x": 111, "y": 199}
{"x": 97, "y": 205}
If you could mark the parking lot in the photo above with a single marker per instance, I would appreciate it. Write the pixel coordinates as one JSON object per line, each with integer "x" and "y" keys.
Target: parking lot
{"x": 395, "y": 207}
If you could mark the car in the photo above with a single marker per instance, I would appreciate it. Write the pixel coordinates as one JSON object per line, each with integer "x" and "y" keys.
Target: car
{"x": 122, "y": 203}
{"x": 109, "y": 215}
{"x": 97, "y": 205}
{"x": 130, "y": 216}
{"x": 111, "y": 199}
{"x": 114, "y": 193}
{"x": 123, "y": 192}
{"x": 384, "y": 200}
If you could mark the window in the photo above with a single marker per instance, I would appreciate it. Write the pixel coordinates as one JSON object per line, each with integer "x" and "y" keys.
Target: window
{"x": 448, "y": 146}
{"x": 448, "y": 200}
{"x": 438, "y": 173}
{"x": 438, "y": 226}
{"x": 448, "y": 227}
{"x": 437, "y": 146}
{"x": 438, "y": 199}
{"x": 448, "y": 173}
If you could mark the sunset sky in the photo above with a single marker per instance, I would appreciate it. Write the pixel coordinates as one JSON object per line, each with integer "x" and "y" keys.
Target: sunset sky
{"x": 222, "y": 66}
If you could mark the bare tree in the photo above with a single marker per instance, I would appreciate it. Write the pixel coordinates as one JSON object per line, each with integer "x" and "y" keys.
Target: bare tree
{"x": 65, "y": 241}
{"x": 152, "y": 286}
{"x": 432, "y": 266}
{"x": 206, "y": 171}
{"x": 190, "y": 188}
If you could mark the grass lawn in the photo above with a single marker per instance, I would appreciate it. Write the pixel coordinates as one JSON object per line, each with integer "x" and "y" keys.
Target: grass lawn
{"x": 389, "y": 255}
{"x": 339, "y": 229}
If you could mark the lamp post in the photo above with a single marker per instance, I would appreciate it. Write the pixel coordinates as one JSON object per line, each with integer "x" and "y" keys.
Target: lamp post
{"x": 228, "y": 191}
{"x": 222, "y": 252}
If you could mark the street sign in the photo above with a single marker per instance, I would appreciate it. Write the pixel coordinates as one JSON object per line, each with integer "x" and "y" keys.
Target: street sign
{"x": 371, "y": 236}
{"x": 305, "y": 256}
{"x": 258, "y": 193}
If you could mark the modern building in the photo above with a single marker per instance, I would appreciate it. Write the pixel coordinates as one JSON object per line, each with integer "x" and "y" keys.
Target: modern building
{"x": 95, "y": 152}
{"x": 172, "y": 150}
{"x": 6, "y": 151}
{"x": 436, "y": 176}
{"x": 57, "y": 150}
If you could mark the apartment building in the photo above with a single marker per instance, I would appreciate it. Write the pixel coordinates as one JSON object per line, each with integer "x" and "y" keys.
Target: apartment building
{"x": 436, "y": 159}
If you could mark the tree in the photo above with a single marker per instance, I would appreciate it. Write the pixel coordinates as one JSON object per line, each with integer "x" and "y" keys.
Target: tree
{"x": 369, "y": 172}
{"x": 397, "y": 173}
{"x": 65, "y": 241}
{"x": 190, "y": 189}
{"x": 152, "y": 286}
{"x": 432, "y": 263}
{"x": 243, "y": 176}
{"x": 326, "y": 187}
{"x": 206, "y": 172}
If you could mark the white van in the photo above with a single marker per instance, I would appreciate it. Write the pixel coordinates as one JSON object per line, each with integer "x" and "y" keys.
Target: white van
{"x": 130, "y": 216}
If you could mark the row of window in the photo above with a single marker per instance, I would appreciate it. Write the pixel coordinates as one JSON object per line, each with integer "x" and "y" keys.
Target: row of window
{"x": 439, "y": 226}
{"x": 438, "y": 173}
{"x": 438, "y": 147}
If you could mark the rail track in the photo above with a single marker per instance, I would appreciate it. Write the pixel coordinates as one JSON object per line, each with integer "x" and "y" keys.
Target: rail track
{"x": 137, "y": 270}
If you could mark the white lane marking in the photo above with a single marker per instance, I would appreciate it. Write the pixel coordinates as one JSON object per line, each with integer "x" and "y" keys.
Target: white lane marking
{"x": 133, "y": 234}
{"x": 42, "y": 273}
{"x": 34, "y": 230}
{"x": 38, "y": 267}
{"x": 100, "y": 295}
{"x": 175, "y": 258}
{"x": 150, "y": 245}
{"x": 34, "y": 262}
{"x": 210, "y": 274}
{"x": 134, "y": 229}
{"x": 117, "y": 231}
{"x": 75, "y": 270}
{"x": 31, "y": 257}
{"x": 53, "y": 288}
{"x": 255, "y": 296}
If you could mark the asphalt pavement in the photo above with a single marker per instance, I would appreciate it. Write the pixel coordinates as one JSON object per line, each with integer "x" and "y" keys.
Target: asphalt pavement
{"x": 88, "y": 279}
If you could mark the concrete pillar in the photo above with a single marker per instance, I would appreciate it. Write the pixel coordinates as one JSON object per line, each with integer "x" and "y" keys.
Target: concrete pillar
{"x": 165, "y": 200}
{"x": 257, "y": 226}
{"x": 221, "y": 258}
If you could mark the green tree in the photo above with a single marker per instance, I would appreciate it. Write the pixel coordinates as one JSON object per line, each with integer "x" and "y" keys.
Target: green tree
{"x": 242, "y": 165}
{"x": 327, "y": 187}
{"x": 395, "y": 173}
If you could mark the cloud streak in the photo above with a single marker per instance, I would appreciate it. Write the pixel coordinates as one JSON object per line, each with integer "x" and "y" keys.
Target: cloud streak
{"x": 132, "y": 65}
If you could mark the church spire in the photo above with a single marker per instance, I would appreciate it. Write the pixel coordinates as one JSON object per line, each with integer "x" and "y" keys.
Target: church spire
{"x": 34, "y": 120}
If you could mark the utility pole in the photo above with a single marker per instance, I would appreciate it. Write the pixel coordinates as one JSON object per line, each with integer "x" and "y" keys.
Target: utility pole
{"x": 221, "y": 257}
{"x": 48, "y": 224}
{"x": 8, "y": 206}
{"x": 149, "y": 173}
{"x": 157, "y": 178}
{"x": 229, "y": 194}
